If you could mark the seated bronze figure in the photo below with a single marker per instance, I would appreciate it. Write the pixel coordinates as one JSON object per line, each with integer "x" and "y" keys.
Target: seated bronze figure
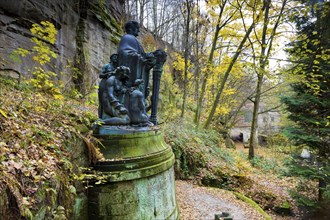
{"x": 124, "y": 85}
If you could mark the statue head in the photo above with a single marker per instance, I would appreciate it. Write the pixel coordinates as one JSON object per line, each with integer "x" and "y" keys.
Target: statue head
{"x": 133, "y": 28}
{"x": 114, "y": 60}
{"x": 122, "y": 73}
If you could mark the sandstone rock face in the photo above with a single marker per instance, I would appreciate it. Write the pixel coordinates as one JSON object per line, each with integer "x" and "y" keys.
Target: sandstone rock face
{"x": 88, "y": 30}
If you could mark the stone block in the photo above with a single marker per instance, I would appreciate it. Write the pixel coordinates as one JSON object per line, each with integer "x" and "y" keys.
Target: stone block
{"x": 130, "y": 208}
{"x": 114, "y": 197}
{"x": 129, "y": 197}
{"x": 118, "y": 209}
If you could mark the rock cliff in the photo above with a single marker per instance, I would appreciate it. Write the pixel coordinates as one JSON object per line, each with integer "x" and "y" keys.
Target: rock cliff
{"x": 88, "y": 32}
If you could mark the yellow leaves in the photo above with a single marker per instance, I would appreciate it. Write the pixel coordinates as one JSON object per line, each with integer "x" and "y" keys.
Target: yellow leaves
{"x": 255, "y": 2}
{"x": 44, "y": 34}
{"x": 18, "y": 53}
{"x": 222, "y": 110}
{"x": 43, "y": 53}
{"x": 213, "y": 14}
{"x": 243, "y": 166}
{"x": 328, "y": 121}
{"x": 46, "y": 31}
{"x": 232, "y": 32}
{"x": 178, "y": 64}
{"x": 58, "y": 96}
{"x": 22, "y": 52}
{"x": 316, "y": 42}
{"x": 39, "y": 109}
{"x": 212, "y": 3}
{"x": 3, "y": 113}
{"x": 229, "y": 91}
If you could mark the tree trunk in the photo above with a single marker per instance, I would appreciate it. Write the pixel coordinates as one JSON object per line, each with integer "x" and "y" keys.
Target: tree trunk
{"x": 80, "y": 56}
{"x": 196, "y": 75}
{"x": 186, "y": 56}
{"x": 154, "y": 7}
{"x": 209, "y": 61}
{"x": 254, "y": 126}
{"x": 141, "y": 15}
{"x": 263, "y": 60}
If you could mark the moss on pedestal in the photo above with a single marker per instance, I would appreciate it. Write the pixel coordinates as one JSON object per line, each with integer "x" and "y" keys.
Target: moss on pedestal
{"x": 138, "y": 173}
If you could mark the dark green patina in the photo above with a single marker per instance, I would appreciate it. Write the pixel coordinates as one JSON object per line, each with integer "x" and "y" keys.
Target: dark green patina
{"x": 137, "y": 175}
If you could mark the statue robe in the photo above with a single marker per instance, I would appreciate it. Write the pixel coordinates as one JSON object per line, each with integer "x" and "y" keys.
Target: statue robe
{"x": 131, "y": 54}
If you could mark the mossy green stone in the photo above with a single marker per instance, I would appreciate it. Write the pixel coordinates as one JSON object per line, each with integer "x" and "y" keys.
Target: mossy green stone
{"x": 133, "y": 153}
{"x": 128, "y": 144}
{"x": 138, "y": 168}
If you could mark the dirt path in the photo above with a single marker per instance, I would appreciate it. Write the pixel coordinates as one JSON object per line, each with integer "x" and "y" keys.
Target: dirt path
{"x": 202, "y": 203}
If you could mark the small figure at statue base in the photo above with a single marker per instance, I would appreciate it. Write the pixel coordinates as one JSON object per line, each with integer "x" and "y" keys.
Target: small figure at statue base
{"x": 112, "y": 93}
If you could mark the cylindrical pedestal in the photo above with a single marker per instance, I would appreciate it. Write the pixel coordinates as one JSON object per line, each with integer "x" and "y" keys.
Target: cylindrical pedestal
{"x": 139, "y": 176}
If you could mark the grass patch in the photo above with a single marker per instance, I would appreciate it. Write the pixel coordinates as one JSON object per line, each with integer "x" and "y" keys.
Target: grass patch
{"x": 253, "y": 204}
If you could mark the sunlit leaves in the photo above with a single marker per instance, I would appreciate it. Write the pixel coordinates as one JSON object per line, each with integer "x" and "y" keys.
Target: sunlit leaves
{"x": 222, "y": 110}
{"x": 3, "y": 113}
{"x": 44, "y": 34}
{"x": 44, "y": 37}
{"x": 178, "y": 64}
{"x": 46, "y": 31}
{"x": 17, "y": 54}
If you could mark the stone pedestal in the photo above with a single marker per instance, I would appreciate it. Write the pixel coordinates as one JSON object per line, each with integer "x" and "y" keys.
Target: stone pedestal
{"x": 137, "y": 176}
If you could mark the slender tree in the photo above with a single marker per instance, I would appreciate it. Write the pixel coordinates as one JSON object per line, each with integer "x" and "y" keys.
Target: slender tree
{"x": 221, "y": 21}
{"x": 187, "y": 12}
{"x": 223, "y": 81}
{"x": 266, "y": 46}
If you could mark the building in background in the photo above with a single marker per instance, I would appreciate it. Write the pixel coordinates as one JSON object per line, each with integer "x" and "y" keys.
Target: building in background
{"x": 268, "y": 124}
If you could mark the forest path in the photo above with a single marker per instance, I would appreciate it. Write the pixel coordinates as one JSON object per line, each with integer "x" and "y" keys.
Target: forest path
{"x": 203, "y": 203}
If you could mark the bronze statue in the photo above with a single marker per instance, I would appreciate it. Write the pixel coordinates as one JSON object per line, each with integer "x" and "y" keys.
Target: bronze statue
{"x": 112, "y": 97}
{"x": 106, "y": 71}
{"x": 132, "y": 55}
{"x": 124, "y": 86}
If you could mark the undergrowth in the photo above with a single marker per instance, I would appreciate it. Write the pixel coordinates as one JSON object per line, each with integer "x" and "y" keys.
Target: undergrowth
{"x": 201, "y": 156}
{"x": 41, "y": 149}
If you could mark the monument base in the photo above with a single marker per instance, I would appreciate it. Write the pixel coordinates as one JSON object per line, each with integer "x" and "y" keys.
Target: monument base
{"x": 146, "y": 198}
{"x": 137, "y": 173}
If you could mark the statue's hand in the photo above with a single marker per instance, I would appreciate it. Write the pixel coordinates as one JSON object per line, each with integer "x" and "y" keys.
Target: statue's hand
{"x": 160, "y": 55}
{"x": 150, "y": 60}
{"x": 122, "y": 110}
